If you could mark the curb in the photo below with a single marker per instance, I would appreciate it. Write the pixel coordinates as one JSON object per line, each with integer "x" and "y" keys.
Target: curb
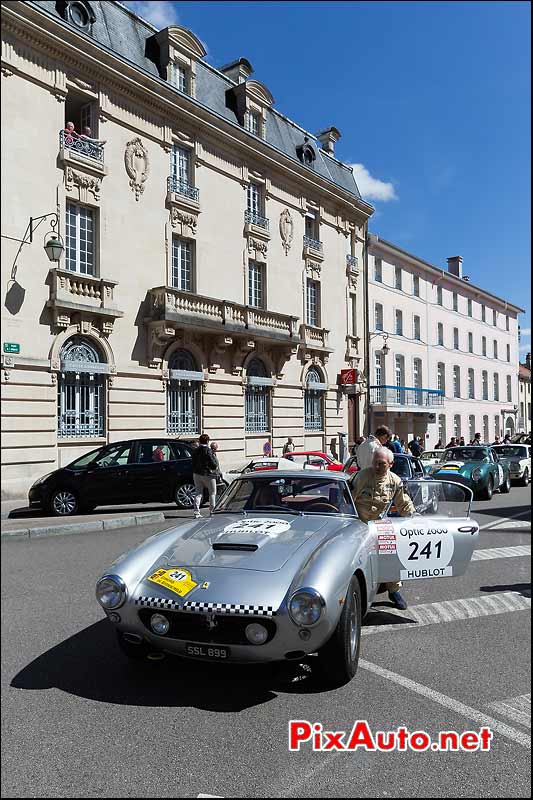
{"x": 112, "y": 523}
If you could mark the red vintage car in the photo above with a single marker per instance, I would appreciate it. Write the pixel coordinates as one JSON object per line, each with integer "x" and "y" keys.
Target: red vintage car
{"x": 319, "y": 460}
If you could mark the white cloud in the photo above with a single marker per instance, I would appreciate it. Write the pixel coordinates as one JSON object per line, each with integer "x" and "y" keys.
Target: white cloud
{"x": 160, "y": 13}
{"x": 372, "y": 188}
{"x": 525, "y": 348}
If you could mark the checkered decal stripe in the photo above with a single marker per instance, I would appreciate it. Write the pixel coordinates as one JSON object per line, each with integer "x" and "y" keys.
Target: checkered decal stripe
{"x": 157, "y": 602}
{"x": 229, "y": 608}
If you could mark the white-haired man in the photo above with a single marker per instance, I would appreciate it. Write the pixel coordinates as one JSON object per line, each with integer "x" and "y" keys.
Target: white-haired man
{"x": 373, "y": 489}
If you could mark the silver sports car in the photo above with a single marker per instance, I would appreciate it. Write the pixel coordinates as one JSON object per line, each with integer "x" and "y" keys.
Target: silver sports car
{"x": 283, "y": 568}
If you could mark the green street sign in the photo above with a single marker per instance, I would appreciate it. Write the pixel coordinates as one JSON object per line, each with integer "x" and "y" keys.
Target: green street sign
{"x": 11, "y": 347}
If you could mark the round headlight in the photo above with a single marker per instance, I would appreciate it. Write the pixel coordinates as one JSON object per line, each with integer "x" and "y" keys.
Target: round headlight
{"x": 111, "y": 591}
{"x": 476, "y": 474}
{"x": 256, "y": 633}
{"x": 159, "y": 624}
{"x": 306, "y": 607}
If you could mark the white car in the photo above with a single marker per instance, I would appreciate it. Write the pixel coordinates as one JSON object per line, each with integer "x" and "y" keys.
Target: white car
{"x": 430, "y": 457}
{"x": 519, "y": 458}
{"x": 260, "y": 463}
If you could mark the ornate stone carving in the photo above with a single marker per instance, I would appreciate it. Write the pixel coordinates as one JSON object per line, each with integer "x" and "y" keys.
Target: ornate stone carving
{"x": 137, "y": 165}
{"x": 53, "y": 378}
{"x": 186, "y": 223}
{"x": 220, "y": 346}
{"x": 85, "y": 184}
{"x": 286, "y": 229}
{"x": 6, "y": 72}
{"x": 259, "y": 247}
{"x": 313, "y": 268}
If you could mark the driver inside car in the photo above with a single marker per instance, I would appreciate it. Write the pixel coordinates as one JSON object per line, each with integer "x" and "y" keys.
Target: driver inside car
{"x": 265, "y": 496}
{"x": 373, "y": 489}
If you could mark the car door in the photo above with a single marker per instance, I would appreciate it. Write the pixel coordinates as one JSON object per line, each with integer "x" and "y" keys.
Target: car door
{"x": 428, "y": 546}
{"x": 151, "y": 475}
{"x": 106, "y": 478}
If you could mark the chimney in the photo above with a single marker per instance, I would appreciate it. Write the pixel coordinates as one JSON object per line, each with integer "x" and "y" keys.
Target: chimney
{"x": 455, "y": 266}
{"x": 528, "y": 361}
{"x": 239, "y": 71}
{"x": 328, "y": 139}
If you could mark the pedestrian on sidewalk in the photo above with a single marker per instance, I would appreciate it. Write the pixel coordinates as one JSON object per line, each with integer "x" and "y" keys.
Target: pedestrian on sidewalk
{"x": 204, "y": 472}
{"x": 288, "y": 447}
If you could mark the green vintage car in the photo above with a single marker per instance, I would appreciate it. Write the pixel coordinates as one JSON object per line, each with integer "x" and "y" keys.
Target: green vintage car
{"x": 479, "y": 468}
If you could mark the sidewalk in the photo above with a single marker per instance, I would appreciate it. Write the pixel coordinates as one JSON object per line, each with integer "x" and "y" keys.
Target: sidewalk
{"x": 19, "y": 522}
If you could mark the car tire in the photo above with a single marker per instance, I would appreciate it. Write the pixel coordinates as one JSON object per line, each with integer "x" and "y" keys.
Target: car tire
{"x": 135, "y": 652}
{"x": 505, "y": 488}
{"x": 524, "y": 480}
{"x": 63, "y": 503}
{"x": 184, "y": 496}
{"x": 487, "y": 493}
{"x": 338, "y": 658}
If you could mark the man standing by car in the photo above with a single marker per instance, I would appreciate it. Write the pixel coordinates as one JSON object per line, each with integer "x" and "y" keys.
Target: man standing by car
{"x": 372, "y": 490}
{"x": 204, "y": 473}
{"x": 415, "y": 447}
{"x": 365, "y": 451}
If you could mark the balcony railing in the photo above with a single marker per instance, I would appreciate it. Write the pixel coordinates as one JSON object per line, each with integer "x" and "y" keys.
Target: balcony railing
{"x": 178, "y": 186}
{"x": 352, "y": 261}
{"x": 315, "y": 244}
{"x": 313, "y": 337}
{"x": 251, "y": 218}
{"x": 81, "y": 146}
{"x": 406, "y": 396}
{"x": 173, "y": 305}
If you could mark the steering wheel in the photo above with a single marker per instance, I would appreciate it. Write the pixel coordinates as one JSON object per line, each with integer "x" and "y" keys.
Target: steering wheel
{"x": 321, "y": 504}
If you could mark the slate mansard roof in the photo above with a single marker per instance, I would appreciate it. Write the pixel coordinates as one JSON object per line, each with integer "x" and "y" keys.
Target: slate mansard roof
{"x": 124, "y": 33}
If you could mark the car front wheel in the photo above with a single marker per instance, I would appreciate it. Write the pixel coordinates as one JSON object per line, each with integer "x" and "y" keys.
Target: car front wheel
{"x": 524, "y": 481}
{"x": 506, "y": 486}
{"x": 63, "y": 503}
{"x": 185, "y": 495}
{"x": 486, "y": 494}
{"x": 338, "y": 658}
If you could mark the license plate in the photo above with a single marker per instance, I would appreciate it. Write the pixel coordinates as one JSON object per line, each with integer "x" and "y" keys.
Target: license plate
{"x": 217, "y": 652}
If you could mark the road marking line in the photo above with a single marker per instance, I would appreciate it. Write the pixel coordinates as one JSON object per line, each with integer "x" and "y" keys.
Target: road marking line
{"x": 507, "y": 519}
{"x": 516, "y": 708}
{"x": 434, "y": 613}
{"x": 449, "y": 702}
{"x": 501, "y": 552}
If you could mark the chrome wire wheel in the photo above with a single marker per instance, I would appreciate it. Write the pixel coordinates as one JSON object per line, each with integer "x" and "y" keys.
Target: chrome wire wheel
{"x": 185, "y": 495}
{"x": 64, "y": 503}
{"x": 354, "y": 626}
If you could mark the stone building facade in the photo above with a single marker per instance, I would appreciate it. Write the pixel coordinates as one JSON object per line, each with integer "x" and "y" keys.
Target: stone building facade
{"x": 213, "y": 268}
{"x": 524, "y": 395}
{"x": 452, "y": 365}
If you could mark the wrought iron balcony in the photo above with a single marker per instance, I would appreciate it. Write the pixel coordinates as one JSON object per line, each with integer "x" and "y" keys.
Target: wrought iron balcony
{"x": 251, "y": 218}
{"x": 406, "y": 396}
{"x": 81, "y": 146}
{"x": 314, "y": 244}
{"x": 178, "y": 186}
{"x": 352, "y": 262}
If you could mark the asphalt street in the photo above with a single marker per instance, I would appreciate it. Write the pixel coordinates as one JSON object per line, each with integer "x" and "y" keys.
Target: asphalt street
{"x": 78, "y": 720}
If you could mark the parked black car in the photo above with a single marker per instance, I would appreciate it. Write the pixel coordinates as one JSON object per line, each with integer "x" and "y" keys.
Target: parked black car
{"x": 136, "y": 471}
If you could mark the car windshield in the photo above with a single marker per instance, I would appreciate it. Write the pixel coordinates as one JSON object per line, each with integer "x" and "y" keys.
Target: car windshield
{"x": 88, "y": 458}
{"x": 511, "y": 452}
{"x": 466, "y": 454}
{"x": 401, "y": 467}
{"x": 287, "y": 495}
{"x": 430, "y": 454}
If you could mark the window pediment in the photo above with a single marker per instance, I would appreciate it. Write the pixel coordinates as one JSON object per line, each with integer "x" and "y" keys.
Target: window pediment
{"x": 183, "y": 40}
{"x": 259, "y": 92}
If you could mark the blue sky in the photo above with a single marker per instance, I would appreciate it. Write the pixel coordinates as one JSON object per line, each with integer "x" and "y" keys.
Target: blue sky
{"x": 433, "y": 103}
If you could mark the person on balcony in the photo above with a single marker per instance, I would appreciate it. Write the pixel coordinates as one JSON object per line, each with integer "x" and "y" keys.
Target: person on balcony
{"x": 88, "y": 138}
{"x": 69, "y": 134}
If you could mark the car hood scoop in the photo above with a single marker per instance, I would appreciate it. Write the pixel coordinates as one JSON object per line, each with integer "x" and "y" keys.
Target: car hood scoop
{"x": 263, "y": 543}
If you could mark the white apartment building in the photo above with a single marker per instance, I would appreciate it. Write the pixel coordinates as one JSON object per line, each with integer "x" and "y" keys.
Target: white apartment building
{"x": 213, "y": 251}
{"x": 524, "y": 396}
{"x": 452, "y": 362}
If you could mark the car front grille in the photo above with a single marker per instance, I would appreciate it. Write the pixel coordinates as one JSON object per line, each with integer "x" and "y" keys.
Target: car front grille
{"x": 195, "y": 627}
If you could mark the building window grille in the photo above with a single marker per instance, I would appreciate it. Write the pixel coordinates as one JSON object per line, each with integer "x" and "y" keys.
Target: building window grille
{"x": 313, "y": 402}
{"x": 79, "y": 239}
{"x": 312, "y": 302}
{"x": 442, "y": 428}
{"x": 257, "y": 400}
{"x": 471, "y": 385}
{"x": 254, "y": 199}
{"x": 397, "y": 277}
{"x": 416, "y": 328}
{"x": 378, "y": 317}
{"x": 256, "y": 294}
{"x": 182, "y": 264}
{"x": 485, "y": 385}
{"x": 440, "y": 334}
{"x": 81, "y": 391}
{"x": 183, "y": 397}
{"x": 496, "y": 386}
{"x": 456, "y": 382}
{"x": 398, "y": 323}
{"x": 378, "y": 270}
{"x": 471, "y": 427}
{"x": 416, "y": 285}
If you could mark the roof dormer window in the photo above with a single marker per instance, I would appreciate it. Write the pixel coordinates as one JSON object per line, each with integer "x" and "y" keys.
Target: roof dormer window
{"x": 248, "y": 99}
{"x": 178, "y": 76}
{"x": 252, "y": 122}
{"x": 179, "y": 51}
{"x": 78, "y": 12}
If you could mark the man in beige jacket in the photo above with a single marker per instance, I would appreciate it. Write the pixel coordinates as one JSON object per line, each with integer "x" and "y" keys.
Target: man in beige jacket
{"x": 372, "y": 490}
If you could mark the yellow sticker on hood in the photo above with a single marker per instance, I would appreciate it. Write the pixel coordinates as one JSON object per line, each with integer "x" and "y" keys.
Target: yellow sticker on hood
{"x": 177, "y": 579}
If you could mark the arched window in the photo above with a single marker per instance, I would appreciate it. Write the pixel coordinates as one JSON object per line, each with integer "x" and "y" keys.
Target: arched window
{"x": 257, "y": 398}
{"x": 183, "y": 396}
{"x": 314, "y": 401}
{"x": 80, "y": 391}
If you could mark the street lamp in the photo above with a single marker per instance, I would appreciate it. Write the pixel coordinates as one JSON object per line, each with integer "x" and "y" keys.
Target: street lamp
{"x": 54, "y": 247}
{"x": 385, "y": 350}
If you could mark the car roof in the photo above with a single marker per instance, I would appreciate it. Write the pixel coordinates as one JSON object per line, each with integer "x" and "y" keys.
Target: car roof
{"x": 309, "y": 453}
